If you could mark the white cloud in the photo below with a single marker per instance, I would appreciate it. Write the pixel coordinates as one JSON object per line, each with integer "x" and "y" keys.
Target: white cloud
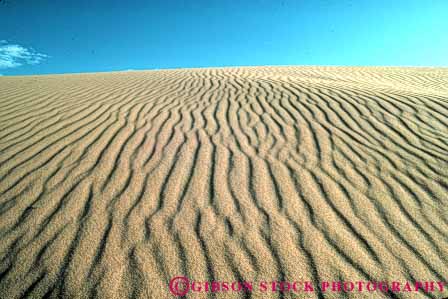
{"x": 12, "y": 55}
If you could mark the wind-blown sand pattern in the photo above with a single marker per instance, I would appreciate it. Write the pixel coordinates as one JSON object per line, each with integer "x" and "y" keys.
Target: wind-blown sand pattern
{"x": 113, "y": 183}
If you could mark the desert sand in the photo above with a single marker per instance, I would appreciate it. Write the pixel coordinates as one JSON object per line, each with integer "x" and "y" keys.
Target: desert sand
{"x": 111, "y": 184}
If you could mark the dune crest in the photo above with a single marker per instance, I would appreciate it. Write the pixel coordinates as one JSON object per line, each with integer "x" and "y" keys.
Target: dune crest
{"x": 111, "y": 184}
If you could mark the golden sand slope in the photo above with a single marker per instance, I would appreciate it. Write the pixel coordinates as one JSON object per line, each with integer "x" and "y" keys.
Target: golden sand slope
{"x": 113, "y": 183}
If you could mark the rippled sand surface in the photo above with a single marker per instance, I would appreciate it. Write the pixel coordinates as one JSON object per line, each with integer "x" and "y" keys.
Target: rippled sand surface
{"x": 111, "y": 184}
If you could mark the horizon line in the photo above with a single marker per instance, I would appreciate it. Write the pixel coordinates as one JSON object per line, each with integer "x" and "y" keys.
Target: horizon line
{"x": 226, "y": 67}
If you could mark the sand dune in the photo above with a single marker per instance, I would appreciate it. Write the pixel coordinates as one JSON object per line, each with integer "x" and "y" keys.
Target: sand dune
{"x": 111, "y": 184}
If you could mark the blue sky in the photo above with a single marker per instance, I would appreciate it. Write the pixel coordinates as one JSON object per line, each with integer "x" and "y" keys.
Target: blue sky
{"x": 44, "y": 37}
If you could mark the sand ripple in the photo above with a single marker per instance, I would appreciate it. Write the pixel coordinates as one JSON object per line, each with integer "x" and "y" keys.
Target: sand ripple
{"x": 113, "y": 183}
